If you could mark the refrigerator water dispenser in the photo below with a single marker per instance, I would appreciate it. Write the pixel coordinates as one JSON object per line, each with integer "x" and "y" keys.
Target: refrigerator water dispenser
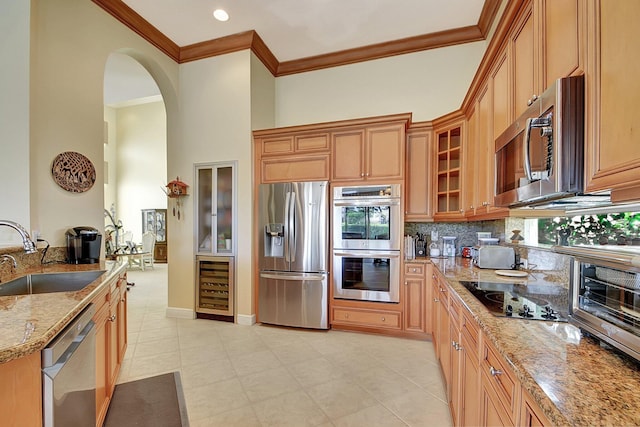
{"x": 274, "y": 240}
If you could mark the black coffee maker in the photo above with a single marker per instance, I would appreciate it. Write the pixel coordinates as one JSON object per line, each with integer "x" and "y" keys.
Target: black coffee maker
{"x": 83, "y": 245}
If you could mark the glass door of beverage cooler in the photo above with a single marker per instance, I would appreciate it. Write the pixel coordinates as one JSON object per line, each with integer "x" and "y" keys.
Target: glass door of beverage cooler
{"x": 216, "y": 206}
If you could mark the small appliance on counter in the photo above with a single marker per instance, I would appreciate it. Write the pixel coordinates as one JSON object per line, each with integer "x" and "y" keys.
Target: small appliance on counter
{"x": 495, "y": 257}
{"x": 421, "y": 246}
{"x": 448, "y": 246}
{"x": 83, "y": 245}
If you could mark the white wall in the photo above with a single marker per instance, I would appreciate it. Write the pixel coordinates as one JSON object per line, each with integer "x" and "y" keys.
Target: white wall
{"x": 215, "y": 118}
{"x": 70, "y": 43}
{"x": 141, "y": 134}
{"x": 428, "y": 84}
{"x": 14, "y": 118}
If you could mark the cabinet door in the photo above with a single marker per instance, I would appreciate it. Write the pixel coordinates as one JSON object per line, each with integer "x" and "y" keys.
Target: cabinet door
{"x": 414, "y": 299}
{"x": 491, "y": 411}
{"x": 470, "y": 154}
{"x": 385, "y": 152}
{"x": 419, "y": 159}
{"x": 486, "y": 148}
{"x": 612, "y": 93}
{"x": 216, "y": 208}
{"x": 563, "y": 39}
{"x": 21, "y": 391}
{"x": 112, "y": 349}
{"x": 455, "y": 397}
{"x": 530, "y": 414}
{"x": 348, "y": 155}
{"x": 469, "y": 383}
{"x": 122, "y": 325}
{"x": 102, "y": 392}
{"x": 444, "y": 336}
{"x": 525, "y": 67}
{"x": 295, "y": 168}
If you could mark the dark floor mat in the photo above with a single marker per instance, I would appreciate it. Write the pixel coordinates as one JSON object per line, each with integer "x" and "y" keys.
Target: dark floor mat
{"x": 153, "y": 402}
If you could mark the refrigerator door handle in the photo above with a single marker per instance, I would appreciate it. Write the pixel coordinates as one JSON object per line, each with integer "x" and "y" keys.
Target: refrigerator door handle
{"x": 292, "y": 276}
{"x": 292, "y": 227}
{"x": 287, "y": 256}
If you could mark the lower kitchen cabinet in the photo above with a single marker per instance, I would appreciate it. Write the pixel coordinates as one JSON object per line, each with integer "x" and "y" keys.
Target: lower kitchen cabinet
{"x": 111, "y": 341}
{"x": 366, "y": 318}
{"x": 21, "y": 392}
{"x": 414, "y": 297}
{"x": 530, "y": 413}
{"x": 215, "y": 287}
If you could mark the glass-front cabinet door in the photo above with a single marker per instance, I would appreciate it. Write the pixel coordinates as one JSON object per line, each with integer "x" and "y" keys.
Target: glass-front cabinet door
{"x": 216, "y": 208}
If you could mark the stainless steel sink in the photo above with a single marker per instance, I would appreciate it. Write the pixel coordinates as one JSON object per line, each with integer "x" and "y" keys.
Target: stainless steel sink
{"x": 49, "y": 282}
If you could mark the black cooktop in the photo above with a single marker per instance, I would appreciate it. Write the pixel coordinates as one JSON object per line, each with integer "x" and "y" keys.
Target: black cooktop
{"x": 512, "y": 300}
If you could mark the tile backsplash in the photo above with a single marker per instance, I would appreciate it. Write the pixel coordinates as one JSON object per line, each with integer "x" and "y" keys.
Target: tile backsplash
{"x": 464, "y": 232}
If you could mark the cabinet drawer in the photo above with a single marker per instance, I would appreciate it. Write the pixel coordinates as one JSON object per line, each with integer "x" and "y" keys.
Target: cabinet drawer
{"x": 500, "y": 378}
{"x": 454, "y": 310}
{"x": 469, "y": 328}
{"x": 380, "y": 319}
{"x": 414, "y": 269}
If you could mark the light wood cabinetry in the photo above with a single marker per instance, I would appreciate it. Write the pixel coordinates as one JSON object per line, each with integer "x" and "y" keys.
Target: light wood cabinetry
{"x": 530, "y": 413}
{"x": 448, "y": 173}
{"x": 369, "y": 153}
{"x": 21, "y": 392}
{"x": 111, "y": 340}
{"x": 419, "y": 173}
{"x": 366, "y": 318}
{"x": 612, "y": 93}
{"x": 500, "y": 390}
{"x": 469, "y": 404}
{"x": 414, "y": 296}
{"x": 525, "y": 61}
{"x": 292, "y": 156}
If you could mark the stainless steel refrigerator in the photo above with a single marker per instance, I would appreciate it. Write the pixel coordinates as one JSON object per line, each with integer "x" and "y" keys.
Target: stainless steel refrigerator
{"x": 293, "y": 254}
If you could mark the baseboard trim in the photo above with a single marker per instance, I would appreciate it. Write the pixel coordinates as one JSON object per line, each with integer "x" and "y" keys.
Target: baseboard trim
{"x": 246, "y": 320}
{"x": 180, "y": 313}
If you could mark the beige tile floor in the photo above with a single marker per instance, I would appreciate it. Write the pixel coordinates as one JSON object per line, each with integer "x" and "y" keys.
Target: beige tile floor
{"x": 258, "y": 375}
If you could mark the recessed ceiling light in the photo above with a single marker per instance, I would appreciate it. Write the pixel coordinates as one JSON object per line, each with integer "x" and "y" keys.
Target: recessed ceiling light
{"x": 220, "y": 15}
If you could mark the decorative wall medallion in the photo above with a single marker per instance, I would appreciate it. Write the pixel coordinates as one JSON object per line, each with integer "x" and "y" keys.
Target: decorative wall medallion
{"x": 73, "y": 172}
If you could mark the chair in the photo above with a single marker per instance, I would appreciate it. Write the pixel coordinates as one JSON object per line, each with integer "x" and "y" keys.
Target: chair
{"x": 143, "y": 257}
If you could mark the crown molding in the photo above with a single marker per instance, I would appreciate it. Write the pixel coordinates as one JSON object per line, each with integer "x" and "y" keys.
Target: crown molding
{"x": 131, "y": 19}
{"x": 382, "y": 50}
{"x": 251, "y": 40}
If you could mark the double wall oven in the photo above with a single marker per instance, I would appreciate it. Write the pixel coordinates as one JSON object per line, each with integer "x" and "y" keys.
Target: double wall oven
{"x": 367, "y": 234}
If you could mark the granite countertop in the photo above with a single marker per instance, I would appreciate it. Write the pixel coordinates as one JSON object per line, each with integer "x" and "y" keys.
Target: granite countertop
{"x": 49, "y": 313}
{"x": 574, "y": 380}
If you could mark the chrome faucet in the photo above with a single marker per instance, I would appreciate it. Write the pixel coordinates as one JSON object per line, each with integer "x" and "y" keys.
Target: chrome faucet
{"x": 27, "y": 243}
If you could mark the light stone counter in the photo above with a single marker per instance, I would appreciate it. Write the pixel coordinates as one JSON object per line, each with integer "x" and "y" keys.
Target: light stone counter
{"x": 574, "y": 380}
{"x": 48, "y": 313}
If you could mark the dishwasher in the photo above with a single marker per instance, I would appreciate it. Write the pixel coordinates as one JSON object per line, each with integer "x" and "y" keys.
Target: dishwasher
{"x": 69, "y": 374}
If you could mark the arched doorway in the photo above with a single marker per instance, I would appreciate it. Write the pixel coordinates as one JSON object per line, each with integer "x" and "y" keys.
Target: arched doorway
{"x": 135, "y": 153}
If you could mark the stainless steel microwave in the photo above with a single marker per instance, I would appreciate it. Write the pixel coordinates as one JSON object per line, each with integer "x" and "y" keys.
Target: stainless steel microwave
{"x": 540, "y": 157}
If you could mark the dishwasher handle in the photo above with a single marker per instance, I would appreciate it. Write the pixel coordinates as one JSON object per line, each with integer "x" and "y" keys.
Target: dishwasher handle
{"x": 86, "y": 334}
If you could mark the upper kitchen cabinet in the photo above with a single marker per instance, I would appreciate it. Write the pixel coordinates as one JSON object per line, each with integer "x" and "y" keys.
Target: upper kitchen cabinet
{"x": 215, "y": 208}
{"x": 373, "y": 152}
{"x": 419, "y": 171}
{"x": 546, "y": 42}
{"x": 283, "y": 156}
{"x": 448, "y": 173}
{"x": 612, "y": 94}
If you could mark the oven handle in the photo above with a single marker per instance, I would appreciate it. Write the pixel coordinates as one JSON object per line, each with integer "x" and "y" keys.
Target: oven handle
{"x": 386, "y": 202}
{"x": 525, "y": 150}
{"x": 368, "y": 254}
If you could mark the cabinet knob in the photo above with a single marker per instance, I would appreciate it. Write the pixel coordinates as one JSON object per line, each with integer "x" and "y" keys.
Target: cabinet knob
{"x": 112, "y": 318}
{"x": 382, "y": 318}
{"x": 494, "y": 372}
{"x": 436, "y": 300}
{"x": 406, "y": 283}
{"x": 414, "y": 270}
{"x": 367, "y": 173}
{"x": 362, "y": 174}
